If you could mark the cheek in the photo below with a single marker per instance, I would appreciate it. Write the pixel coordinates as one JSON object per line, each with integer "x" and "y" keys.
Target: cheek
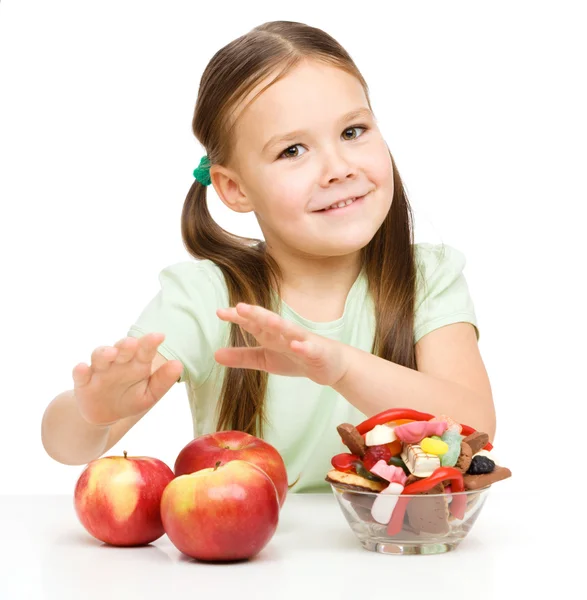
{"x": 380, "y": 169}
{"x": 288, "y": 195}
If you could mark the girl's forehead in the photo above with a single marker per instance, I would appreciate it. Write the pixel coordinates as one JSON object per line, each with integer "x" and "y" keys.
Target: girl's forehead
{"x": 306, "y": 97}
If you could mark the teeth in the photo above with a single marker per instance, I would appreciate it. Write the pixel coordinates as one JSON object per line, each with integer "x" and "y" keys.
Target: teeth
{"x": 343, "y": 203}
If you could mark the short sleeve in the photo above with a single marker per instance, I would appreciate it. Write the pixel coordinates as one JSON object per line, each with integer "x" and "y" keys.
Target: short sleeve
{"x": 443, "y": 295}
{"x": 184, "y": 309}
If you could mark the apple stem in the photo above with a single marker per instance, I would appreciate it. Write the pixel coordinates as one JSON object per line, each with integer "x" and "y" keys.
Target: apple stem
{"x": 217, "y": 465}
{"x": 124, "y": 452}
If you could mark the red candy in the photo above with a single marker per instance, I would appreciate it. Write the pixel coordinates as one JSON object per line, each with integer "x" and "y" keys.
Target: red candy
{"x": 344, "y": 462}
{"x": 374, "y": 454}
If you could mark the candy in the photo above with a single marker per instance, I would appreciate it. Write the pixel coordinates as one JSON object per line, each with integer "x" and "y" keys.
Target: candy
{"x": 457, "y": 506}
{"x": 476, "y": 439}
{"x": 419, "y": 462}
{"x": 465, "y": 457}
{"x": 363, "y": 472}
{"x": 392, "y": 414}
{"x": 344, "y": 462}
{"x": 429, "y": 515}
{"x": 398, "y": 462}
{"x": 452, "y": 425}
{"x": 480, "y": 465}
{"x": 389, "y": 472}
{"x": 385, "y": 502}
{"x": 380, "y": 434}
{"x": 476, "y": 482}
{"x": 453, "y": 440}
{"x": 434, "y": 446}
{"x": 412, "y": 433}
{"x": 395, "y": 447}
{"x": 490, "y": 455}
{"x": 395, "y": 414}
{"x": 375, "y": 454}
{"x": 352, "y": 439}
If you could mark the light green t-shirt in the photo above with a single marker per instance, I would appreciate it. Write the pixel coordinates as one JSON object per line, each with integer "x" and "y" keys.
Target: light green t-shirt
{"x": 302, "y": 415}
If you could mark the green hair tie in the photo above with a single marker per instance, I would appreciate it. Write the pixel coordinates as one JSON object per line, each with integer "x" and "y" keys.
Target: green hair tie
{"x": 202, "y": 173}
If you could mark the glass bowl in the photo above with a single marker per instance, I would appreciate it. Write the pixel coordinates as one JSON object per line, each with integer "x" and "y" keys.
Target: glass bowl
{"x": 431, "y": 523}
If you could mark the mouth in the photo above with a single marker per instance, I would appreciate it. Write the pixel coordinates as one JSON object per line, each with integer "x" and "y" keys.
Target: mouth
{"x": 340, "y": 210}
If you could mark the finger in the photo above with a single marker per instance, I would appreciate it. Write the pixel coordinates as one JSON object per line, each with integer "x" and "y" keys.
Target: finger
{"x": 271, "y": 329}
{"x": 254, "y": 318}
{"x": 147, "y": 347}
{"x": 275, "y": 327}
{"x": 127, "y": 348}
{"x": 308, "y": 349}
{"x": 290, "y": 331}
{"x": 81, "y": 374}
{"x": 230, "y": 314}
{"x": 241, "y": 358}
{"x": 161, "y": 381}
{"x": 102, "y": 357}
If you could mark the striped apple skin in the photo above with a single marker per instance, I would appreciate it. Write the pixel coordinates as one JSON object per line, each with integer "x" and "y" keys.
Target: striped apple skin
{"x": 117, "y": 499}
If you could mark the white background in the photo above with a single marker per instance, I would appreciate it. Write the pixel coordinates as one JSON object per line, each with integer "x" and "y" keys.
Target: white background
{"x": 482, "y": 105}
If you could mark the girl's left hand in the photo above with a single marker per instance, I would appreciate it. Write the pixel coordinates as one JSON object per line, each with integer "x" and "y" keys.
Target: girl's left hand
{"x": 284, "y": 347}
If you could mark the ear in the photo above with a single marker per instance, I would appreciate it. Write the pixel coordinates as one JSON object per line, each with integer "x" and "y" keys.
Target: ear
{"x": 227, "y": 185}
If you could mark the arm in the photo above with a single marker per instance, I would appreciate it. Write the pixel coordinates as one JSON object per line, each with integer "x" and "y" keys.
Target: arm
{"x": 71, "y": 440}
{"x": 451, "y": 379}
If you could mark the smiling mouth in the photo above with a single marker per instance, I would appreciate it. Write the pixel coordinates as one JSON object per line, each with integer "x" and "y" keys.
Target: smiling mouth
{"x": 341, "y": 206}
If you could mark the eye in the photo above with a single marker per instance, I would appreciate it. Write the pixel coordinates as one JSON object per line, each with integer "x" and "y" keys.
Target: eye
{"x": 351, "y": 128}
{"x": 287, "y": 154}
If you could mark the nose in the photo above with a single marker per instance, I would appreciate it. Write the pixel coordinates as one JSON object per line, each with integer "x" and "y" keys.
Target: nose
{"x": 336, "y": 167}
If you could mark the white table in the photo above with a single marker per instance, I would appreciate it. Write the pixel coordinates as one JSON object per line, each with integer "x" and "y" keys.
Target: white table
{"x": 45, "y": 553}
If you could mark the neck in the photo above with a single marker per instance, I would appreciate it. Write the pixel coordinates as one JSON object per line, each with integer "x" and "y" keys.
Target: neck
{"x": 319, "y": 278}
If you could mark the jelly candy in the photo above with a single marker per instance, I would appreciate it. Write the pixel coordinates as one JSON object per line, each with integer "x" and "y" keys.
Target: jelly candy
{"x": 431, "y": 446}
{"x": 398, "y": 462}
{"x": 453, "y": 439}
{"x": 413, "y": 433}
{"x": 452, "y": 425}
{"x": 480, "y": 465}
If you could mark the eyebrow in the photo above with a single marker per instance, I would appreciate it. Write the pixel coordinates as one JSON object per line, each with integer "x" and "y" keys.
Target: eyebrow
{"x": 284, "y": 137}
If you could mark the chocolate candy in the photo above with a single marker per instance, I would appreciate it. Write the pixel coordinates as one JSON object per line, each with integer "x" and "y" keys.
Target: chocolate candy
{"x": 465, "y": 457}
{"x": 475, "y": 482}
{"x": 352, "y": 439}
{"x": 429, "y": 515}
{"x": 477, "y": 440}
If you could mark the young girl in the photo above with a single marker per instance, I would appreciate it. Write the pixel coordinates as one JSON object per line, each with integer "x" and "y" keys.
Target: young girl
{"x": 335, "y": 316}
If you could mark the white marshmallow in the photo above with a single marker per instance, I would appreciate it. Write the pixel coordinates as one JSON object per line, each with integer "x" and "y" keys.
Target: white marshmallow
{"x": 380, "y": 434}
{"x": 385, "y": 502}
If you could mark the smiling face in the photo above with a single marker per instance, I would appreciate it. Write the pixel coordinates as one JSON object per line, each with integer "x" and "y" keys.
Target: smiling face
{"x": 332, "y": 156}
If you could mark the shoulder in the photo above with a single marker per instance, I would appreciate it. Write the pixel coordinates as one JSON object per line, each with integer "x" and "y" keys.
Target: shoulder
{"x": 437, "y": 267}
{"x": 193, "y": 277}
{"x": 431, "y": 257}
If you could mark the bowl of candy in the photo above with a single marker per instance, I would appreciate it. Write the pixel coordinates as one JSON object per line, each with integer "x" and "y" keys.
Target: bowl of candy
{"x": 412, "y": 483}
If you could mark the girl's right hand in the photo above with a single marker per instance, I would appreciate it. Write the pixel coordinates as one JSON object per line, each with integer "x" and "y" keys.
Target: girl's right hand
{"x": 119, "y": 383}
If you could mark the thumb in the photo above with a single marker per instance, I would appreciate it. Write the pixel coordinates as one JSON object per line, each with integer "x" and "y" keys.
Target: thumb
{"x": 163, "y": 378}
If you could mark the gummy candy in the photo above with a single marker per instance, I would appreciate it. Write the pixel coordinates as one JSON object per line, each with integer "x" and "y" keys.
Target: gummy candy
{"x": 453, "y": 439}
{"x": 480, "y": 465}
{"x": 413, "y": 433}
{"x": 432, "y": 446}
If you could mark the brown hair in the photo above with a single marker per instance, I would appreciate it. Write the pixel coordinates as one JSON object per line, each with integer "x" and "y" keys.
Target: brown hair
{"x": 250, "y": 272}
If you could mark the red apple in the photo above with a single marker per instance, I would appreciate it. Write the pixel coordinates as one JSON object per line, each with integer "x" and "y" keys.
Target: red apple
{"x": 117, "y": 499}
{"x": 225, "y": 513}
{"x": 206, "y": 450}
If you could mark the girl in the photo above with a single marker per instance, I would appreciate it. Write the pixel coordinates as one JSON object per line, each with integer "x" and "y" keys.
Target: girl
{"x": 335, "y": 316}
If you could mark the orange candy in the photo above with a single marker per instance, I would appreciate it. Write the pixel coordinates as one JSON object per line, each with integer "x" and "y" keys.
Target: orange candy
{"x": 399, "y": 422}
{"x": 395, "y": 447}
